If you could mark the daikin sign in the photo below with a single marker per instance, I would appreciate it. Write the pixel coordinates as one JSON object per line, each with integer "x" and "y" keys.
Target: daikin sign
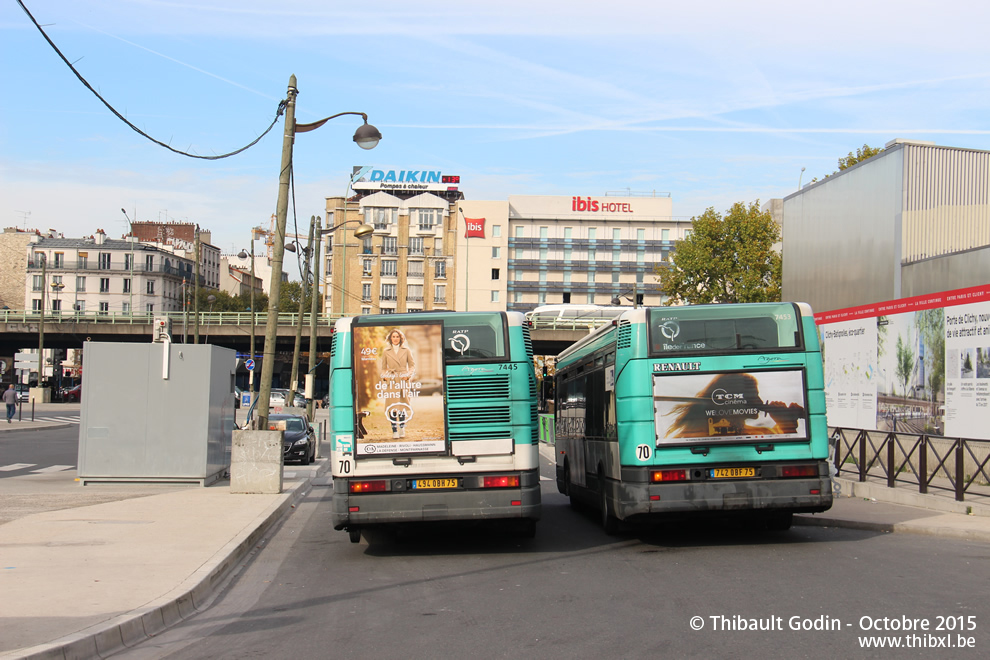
{"x": 369, "y": 178}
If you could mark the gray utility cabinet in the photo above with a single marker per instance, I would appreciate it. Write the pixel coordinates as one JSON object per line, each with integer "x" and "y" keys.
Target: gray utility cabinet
{"x": 156, "y": 412}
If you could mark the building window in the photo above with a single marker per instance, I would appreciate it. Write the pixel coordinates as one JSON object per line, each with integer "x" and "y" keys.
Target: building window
{"x": 367, "y": 247}
{"x": 104, "y": 308}
{"x": 388, "y": 291}
{"x": 591, "y": 256}
{"x": 687, "y": 234}
{"x": 79, "y": 306}
{"x": 127, "y": 285}
{"x": 591, "y": 233}
{"x": 543, "y": 277}
{"x": 366, "y": 267}
{"x": 380, "y": 218}
{"x": 104, "y": 285}
{"x": 496, "y": 231}
{"x": 440, "y": 270}
{"x": 543, "y": 254}
{"x": 517, "y": 297}
{"x": 151, "y": 287}
{"x": 387, "y": 310}
{"x": 149, "y": 263}
{"x": 566, "y": 299}
{"x": 567, "y": 254}
{"x": 414, "y": 268}
{"x": 494, "y": 296}
{"x": 640, "y": 234}
{"x": 126, "y": 308}
{"x": 59, "y": 260}
{"x": 541, "y": 298}
{"x": 416, "y": 245}
{"x": 150, "y": 308}
{"x": 437, "y": 246}
{"x": 428, "y": 218}
{"x": 615, "y": 277}
{"x": 365, "y": 292}
{"x": 665, "y": 234}
{"x": 366, "y": 310}
{"x": 413, "y": 310}
{"x": 80, "y": 283}
{"x": 495, "y": 273}
{"x": 519, "y": 276}
{"x": 440, "y": 293}
{"x": 496, "y": 253}
{"x": 414, "y": 292}
{"x": 36, "y": 305}
{"x": 591, "y": 299}
{"x": 616, "y": 234}
{"x": 567, "y": 277}
{"x": 104, "y": 261}
{"x": 591, "y": 277}
{"x": 567, "y": 233}
{"x": 543, "y": 233}
{"x": 37, "y": 283}
{"x": 519, "y": 231}
{"x": 82, "y": 260}
{"x": 390, "y": 245}
{"x": 389, "y": 268}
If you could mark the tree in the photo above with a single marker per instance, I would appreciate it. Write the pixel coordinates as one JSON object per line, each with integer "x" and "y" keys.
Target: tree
{"x": 931, "y": 325}
{"x": 725, "y": 260}
{"x": 905, "y": 362}
{"x": 288, "y": 298}
{"x": 861, "y": 154}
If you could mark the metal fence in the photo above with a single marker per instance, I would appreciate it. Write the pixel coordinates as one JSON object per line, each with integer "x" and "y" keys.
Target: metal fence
{"x": 930, "y": 462}
{"x": 139, "y": 318}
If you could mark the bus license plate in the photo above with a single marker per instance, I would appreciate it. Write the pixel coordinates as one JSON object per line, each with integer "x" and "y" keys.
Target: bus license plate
{"x": 434, "y": 483}
{"x": 732, "y": 473}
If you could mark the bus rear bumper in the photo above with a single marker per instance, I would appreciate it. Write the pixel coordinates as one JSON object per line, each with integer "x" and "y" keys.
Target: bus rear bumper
{"x": 350, "y": 510}
{"x": 810, "y": 495}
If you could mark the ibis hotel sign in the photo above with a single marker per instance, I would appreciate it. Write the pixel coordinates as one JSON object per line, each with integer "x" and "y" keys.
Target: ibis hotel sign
{"x": 370, "y": 178}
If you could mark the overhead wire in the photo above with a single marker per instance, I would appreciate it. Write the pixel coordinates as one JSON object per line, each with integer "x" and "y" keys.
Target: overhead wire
{"x": 281, "y": 106}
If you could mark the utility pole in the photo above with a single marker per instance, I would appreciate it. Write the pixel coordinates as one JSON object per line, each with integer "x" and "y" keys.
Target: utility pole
{"x": 278, "y": 251}
{"x": 41, "y": 325}
{"x": 314, "y": 308}
{"x": 196, "y": 292}
{"x": 299, "y": 320}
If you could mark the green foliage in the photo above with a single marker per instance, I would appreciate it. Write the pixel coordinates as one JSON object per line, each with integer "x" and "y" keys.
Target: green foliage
{"x": 725, "y": 259}
{"x": 224, "y": 302}
{"x": 905, "y": 362}
{"x": 931, "y": 325}
{"x": 861, "y": 154}
{"x": 289, "y": 294}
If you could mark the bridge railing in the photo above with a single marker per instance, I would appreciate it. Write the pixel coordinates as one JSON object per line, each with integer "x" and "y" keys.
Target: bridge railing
{"x": 144, "y": 318}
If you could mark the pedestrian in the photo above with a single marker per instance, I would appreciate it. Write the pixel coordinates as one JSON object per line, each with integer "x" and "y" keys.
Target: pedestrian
{"x": 10, "y": 398}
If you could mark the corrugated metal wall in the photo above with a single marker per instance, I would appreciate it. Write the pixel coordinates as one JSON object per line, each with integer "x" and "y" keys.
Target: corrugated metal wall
{"x": 946, "y": 201}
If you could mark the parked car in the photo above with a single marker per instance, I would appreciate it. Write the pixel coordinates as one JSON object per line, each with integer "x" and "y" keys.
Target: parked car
{"x": 278, "y": 398}
{"x": 23, "y": 392}
{"x": 299, "y": 443}
{"x": 73, "y": 394}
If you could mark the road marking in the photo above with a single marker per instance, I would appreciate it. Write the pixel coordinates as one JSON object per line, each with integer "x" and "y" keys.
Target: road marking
{"x": 54, "y": 468}
{"x": 15, "y": 466}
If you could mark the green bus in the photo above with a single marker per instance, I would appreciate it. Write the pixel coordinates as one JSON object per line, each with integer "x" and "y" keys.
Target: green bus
{"x": 433, "y": 417}
{"x": 695, "y": 410}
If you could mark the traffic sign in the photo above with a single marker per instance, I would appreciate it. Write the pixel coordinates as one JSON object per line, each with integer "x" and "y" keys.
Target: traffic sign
{"x": 249, "y": 364}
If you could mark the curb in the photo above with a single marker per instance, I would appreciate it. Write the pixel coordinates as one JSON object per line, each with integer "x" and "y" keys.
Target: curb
{"x": 193, "y": 595}
{"x": 48, "y": 427}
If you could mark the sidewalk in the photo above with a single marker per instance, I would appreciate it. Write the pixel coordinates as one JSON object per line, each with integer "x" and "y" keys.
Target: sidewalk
{"x": 41, "y": 418}
{"x": 84, "y": 582}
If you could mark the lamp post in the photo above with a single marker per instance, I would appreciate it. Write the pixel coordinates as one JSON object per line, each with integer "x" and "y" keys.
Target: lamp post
{"x": 243, "y": 255}
{"x": 41, "y": 323}
{"x": 308, "y": 250}
{"x": 210, "y": 299}
{"x": 800, "y": 177}
{"x": 56, "y": 304}
{"x": 130, "y": 291}
{"x": 366, "y": 137}
{"x": 361, "y": 232}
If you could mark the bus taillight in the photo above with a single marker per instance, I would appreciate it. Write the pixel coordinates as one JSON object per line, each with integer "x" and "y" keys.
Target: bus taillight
{"x": 669, "y": 475}
{"x": 799, "y": 471}
{"x": 377, "y": 486}
{"x": 502, "y": 482}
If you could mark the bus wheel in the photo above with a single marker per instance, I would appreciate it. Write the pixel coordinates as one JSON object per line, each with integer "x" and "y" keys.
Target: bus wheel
{"x": 354, "y": 533}
{"x": 780, "y": 521}
{"x": 609, "y": 522}
{"x": 527, "y": 529}
{"x": 567, "y": 480}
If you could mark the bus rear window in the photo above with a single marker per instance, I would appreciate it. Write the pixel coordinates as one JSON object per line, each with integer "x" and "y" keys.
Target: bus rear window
{"x": 474, "y": 337}
{"x": 724, "y": 328}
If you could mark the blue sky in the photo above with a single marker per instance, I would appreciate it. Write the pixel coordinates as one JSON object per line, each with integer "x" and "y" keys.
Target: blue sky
{"x": 713, "y": 103}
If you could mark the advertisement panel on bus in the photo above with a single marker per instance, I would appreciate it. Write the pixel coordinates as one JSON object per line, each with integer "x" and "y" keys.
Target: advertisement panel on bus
{"x": 392, "y": 366}
{"x": 730, "y": 407}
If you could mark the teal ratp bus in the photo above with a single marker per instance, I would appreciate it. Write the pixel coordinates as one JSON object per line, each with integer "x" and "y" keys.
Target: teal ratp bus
{"x": 706, "y": 409}
{"x": 433, "y": 417}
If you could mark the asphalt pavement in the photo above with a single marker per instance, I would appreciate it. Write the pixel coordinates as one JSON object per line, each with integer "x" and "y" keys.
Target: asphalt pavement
{"x": 86, "y": 581}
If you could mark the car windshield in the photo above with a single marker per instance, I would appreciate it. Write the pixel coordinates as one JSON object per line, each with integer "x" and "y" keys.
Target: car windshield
{"x": 295, "y": 425}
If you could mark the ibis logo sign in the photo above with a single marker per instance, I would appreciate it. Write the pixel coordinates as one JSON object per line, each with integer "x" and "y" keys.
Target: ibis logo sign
{"x": 475, "y": 228}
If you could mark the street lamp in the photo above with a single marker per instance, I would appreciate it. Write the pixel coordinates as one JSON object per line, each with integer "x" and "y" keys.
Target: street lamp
{"x": 130, "y": 290}
{"x": 366, "y": 137}
{"x": 360, "y": 233}
{"x": 243, "y": 255}
{"x": 210, "y": 299}
{"x": 57, "y": 304}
